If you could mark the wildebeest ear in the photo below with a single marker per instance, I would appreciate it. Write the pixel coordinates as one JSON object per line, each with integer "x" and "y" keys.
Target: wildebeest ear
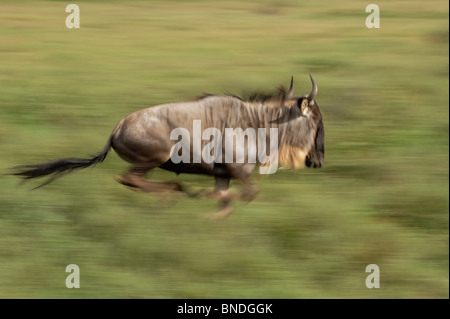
{"x": 303, "y": 103}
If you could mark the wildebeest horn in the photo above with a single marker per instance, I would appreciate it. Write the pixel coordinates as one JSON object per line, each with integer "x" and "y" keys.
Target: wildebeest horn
{"x": 290, "y": 94}
{"x": 311, "y": 96}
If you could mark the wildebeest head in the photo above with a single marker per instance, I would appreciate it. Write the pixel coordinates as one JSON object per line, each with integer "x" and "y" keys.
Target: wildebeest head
{"x": 316, "y": 154}
{"x": 306, "y": 107}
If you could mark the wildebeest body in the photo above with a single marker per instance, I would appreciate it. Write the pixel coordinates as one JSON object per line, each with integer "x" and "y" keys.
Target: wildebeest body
{"x": 142, "y": 139}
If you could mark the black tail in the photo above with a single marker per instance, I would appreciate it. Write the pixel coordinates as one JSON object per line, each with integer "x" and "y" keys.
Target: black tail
{"x": 59, "y": 167}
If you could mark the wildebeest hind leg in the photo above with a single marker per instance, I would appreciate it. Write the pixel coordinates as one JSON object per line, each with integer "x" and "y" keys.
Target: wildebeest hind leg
{"x": 134, "y": 178}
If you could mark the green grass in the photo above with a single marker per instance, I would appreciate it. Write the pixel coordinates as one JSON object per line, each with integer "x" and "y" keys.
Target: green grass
{"x": 381, "y": 198}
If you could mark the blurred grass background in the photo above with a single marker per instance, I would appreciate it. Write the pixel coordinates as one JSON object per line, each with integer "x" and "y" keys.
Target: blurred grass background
{"x": 382, "y": 197}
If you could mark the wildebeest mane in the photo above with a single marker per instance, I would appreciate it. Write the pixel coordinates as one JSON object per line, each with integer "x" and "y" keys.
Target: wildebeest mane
{"x": 254, "y": 97}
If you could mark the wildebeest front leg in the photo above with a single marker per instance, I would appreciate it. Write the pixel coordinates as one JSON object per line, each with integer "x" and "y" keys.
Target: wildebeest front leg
{"x": 243, "y": 174}
{"x": 221, "y": 191}
{"x": 249, "y": 192}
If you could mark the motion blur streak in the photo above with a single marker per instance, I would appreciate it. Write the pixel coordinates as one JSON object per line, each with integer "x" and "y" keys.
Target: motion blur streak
{"x": 381, "y": 197}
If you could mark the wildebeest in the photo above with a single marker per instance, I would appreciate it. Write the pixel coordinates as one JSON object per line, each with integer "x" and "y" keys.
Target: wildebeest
{"x": 142, "y": 139}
